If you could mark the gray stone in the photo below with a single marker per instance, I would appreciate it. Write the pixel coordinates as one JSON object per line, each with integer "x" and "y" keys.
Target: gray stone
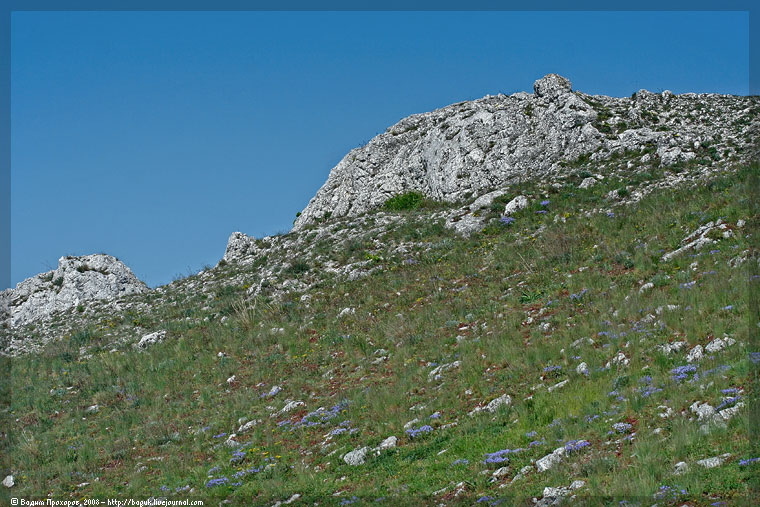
{"x": 681, "y": 468}
{"x": 8, "y": 482}
{"x": 516, "y": 204}
{"x": 76, "y": 281}
{"x": 552, "y": 86}
{"x": 356, "y": 457}
{"x": 550, "y": 460}
{"x": 588, "y": 182}
{"x": 151, "y": 339}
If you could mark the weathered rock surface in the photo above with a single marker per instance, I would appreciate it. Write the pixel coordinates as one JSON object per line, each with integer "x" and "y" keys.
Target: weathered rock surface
{"x": 77, "y": 281}
{"x": 467, "y": 149}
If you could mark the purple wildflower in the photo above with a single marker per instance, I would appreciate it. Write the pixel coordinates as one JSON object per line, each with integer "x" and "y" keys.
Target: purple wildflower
{"x": 728, "y": 307}
{"x": 611, "y": 214}
{"x": 460, "y": 461}
{"x": 545, "y": 202}
{"x": 414, "y": 432}
{"x": 575, "y": 445}
{"x": 746, "y": 462}
{"x": 541, "y": 212}
{"x": 507, "y": 220}
{"x": 217, "y": 482}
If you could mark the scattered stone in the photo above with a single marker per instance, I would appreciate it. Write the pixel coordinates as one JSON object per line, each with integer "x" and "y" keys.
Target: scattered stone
{"x": 550, "y": 460}
{"x": 356, "y": 457}
{"x": 8, "y": 482}
{"x": 695, "y": 354}
{"x": 515, "y": 205}
{"x": 588, "y": 182}
{"x": 582, "y": 369}
{"x": 437, "y": 372}
{"x": 719, "y": 344}
{"x": 503, "y": 400}
{"x": 346, "y": 311}
{"x": 714, "y": 461}
{"x": 558, "y": 385}
{"x": 681, "y": 468}
{"x": 150, "y": 339}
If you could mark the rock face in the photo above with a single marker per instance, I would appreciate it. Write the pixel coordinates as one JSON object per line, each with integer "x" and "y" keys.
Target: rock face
{"x": 467, "y": 149}
{"x": 76, "y": 281}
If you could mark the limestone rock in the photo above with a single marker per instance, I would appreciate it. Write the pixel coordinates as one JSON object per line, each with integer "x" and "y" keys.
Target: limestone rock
{"x": 76, "y": 281}
{"x": 475, "y": 147}
{"x": 516, "y": 204}
{"x": 151, "y": 339}
{"x": 552, "y": 86}
{"x": 356, "y": 457}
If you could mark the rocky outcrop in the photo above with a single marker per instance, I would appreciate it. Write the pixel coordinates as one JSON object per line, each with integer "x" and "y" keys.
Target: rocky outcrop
{"x": 467, "y": 149}
{"x": 76, "y": 281}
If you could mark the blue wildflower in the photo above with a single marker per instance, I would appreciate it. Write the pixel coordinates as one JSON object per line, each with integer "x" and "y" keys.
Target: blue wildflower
{"x": 545, "y": 202}
{"x": 414, "y": 432}
{"x": 507, "y": 220}
{"x": 217, "y": 482}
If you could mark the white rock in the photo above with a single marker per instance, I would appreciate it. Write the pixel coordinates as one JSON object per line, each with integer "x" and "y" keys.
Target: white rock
{"x": 681, "y": 468}
{"x": 588, "y": 182}
{"x": 646, "y": 287}
{"x": 501, "y": 472}
{"x": 388, "y": 443}
{"x": 346, "y": 311}
{"x": 516, "y": 204}
{"x": 290, "y": 405}
{"x": 695, "y": 354}
{"x": 714, "y": 461}
{"x": 8, "y": 482}
{"x": 356, "y": 457}
{"x": 437, "y": 372}
{"x": 151, "y": 339}
{"x": 558, "y": 385}
{"x": 411, "y": 423}
{"x": 719, "y": 344}
{"x": 550, "y": 460}
{"x": 582, "y": 369}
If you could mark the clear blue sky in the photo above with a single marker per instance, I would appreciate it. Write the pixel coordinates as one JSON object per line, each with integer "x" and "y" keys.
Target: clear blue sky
{"x": 152, "y": 136}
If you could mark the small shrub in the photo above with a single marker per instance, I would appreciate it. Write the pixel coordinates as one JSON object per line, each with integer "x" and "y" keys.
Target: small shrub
{"x": 406, "y": 201}
{"x": 298, "y": 266}
{"x": 58, "y": 282}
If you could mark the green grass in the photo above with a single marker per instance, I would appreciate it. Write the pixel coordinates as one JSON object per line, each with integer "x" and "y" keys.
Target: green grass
{"x": 467, "y": 300}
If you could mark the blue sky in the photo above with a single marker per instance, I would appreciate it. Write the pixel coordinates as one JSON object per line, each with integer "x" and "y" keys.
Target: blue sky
{"x": 152, "y": 136}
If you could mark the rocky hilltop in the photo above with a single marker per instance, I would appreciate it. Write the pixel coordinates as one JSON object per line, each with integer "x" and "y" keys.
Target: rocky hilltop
{"x": 76, "y": 281}
{"x": 466, "y": 149}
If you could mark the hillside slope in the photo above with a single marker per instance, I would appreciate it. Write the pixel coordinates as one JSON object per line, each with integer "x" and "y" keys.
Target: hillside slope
{"x": 583, "y": 338}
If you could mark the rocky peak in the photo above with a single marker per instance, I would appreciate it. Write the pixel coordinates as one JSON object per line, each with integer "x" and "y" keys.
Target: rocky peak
{"x": 552, "y": 86}
{"x": 467, "y": 149}
{"x": 76, "y": 281}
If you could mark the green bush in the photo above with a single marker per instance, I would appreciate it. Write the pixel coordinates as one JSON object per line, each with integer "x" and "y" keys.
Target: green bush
{"x": 405, "y": 201}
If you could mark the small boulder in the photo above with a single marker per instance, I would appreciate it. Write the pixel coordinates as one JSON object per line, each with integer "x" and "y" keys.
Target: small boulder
{"x": 515, "y": 205}
{"x": 356, "y": 457}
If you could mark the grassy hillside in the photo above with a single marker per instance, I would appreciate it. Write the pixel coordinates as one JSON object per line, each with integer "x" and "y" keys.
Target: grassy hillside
{"x": 436, "y": 333}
